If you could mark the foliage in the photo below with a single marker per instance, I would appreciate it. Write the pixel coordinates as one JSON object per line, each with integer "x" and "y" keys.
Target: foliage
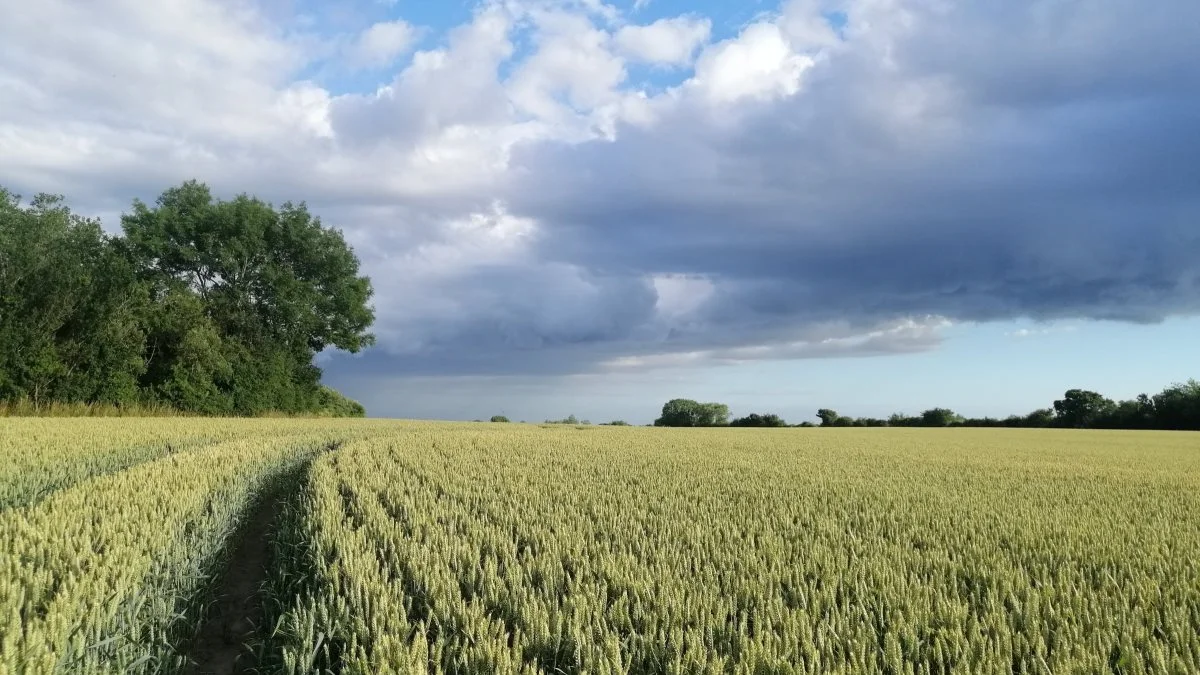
{"x": 1079, "y": 408}
{"x": 828, "y": 417}
{"x": 1177, "y": 407}
{"x": 202, "y": 306}
{"x": 682, "y": 412}
{"x": 757, "y": 420}
{"x": 68, "y": 308}
{"x": 333, "y": 403}
{"x": 940, "y": 417}
{"x": 499, "y": 418}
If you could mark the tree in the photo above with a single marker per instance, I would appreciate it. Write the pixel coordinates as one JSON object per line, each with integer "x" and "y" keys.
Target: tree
{"x": 1040, "y": 418}
{"x": 499, "y": 418}
{"x": 1138, "y": 413}
{"x": 828, "y": 417}
{"x": 939, "y": 417}
{"x": 756, "y": 420}
{"x": 1080, "y": 408}
{"x": 1178, "y": 406}
{"x": 69, "y": 307}
{"x": 333, "y": 403}
{"x": 615, "y": 423}
{"x": 274, "y": 287}
{"x": 682, "y": 412}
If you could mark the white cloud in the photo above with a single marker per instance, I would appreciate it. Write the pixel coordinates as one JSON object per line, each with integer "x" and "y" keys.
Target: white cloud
{"x": 806, "y": 25}
{"x": 758, "y": 64}
{"x": 571, "y": 70}
{"x": 818, "y": 341}
{"x": 1044, "y": 330}
{"x": 381, "y": 44}
{"x": 666, "y": 41}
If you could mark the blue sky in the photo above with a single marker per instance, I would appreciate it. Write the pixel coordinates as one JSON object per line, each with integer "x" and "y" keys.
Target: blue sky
{"x": 580, "y": 207}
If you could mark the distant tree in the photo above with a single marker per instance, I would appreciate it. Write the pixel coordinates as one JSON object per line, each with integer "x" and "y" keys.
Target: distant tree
{"x": 939, "y": 417}
{"x": 903, "y": 420}
{"x": 616, "y": 423}
{"x": 1039, "y": 419}
{"x": 682, "y": 412}
{"x": 1138, "y": 413}
{"x": 757, "y": 420}
{"x": 828, "y": 417}
{"x": 806, "y": 424}
{"x": 569, "y": 419}
{"x": 1178, "y": 406}
{"x": 715, "y": 414}
{"x": 1079, "y": 408}
{"x": 980, "y": 422}
{"x": 499, "y": 418}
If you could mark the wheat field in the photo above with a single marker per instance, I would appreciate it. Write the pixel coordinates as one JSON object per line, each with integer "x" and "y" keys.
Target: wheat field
{"x": 420, "y": 547}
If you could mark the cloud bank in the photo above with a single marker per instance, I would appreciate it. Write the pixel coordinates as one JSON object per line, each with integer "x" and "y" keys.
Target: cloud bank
{"x": 564, "y": 186}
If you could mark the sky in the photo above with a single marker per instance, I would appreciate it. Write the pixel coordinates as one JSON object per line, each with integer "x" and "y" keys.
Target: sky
{"x": 589, "y": 208}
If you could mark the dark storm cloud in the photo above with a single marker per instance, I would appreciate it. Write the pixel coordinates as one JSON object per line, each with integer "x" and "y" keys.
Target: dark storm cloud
{"x": 1004, "y": 165}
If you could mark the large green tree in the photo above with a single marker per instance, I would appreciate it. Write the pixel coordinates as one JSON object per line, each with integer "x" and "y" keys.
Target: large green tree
{"x": 249, "y": 294}
{"x": 69, "y": 307}
{"x": 683, "y": 412}
{"x": 828, "y": 416}
{"x": 1081, "y": 408}
{"x": 205, "y": 305}
{"x": 1178, "y": 406}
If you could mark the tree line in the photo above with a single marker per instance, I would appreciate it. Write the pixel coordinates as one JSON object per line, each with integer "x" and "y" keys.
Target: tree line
{"x": 1176, "y": 407}
{"x": 202, "y": 305}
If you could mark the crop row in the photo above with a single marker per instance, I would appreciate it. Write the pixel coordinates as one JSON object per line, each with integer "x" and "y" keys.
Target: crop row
{"x": 435, "y": 548}
{"x": 104, "y": 576}
{"x": 635, "y": 551}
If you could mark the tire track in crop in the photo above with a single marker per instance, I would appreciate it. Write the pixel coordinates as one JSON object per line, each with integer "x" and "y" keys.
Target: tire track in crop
{"x": 229, "y": 639}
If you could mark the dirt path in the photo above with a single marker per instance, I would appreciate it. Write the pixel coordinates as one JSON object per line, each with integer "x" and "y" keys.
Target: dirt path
{"x": 221, "y": 646}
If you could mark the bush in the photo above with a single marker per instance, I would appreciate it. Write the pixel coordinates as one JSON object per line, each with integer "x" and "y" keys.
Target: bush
{"x": 756, "y": 420}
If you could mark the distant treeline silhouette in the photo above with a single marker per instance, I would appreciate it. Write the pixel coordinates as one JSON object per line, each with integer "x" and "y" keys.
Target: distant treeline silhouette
{"x": 1175, "y": 407}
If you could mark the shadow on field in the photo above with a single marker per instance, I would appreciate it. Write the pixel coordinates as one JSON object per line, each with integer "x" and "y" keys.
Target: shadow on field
{"x": 223, "y": 645}
{"x": 230, "y": 638}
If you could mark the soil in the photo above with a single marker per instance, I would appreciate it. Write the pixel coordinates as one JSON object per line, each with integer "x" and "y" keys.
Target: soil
{"x": 222, "y": 646}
